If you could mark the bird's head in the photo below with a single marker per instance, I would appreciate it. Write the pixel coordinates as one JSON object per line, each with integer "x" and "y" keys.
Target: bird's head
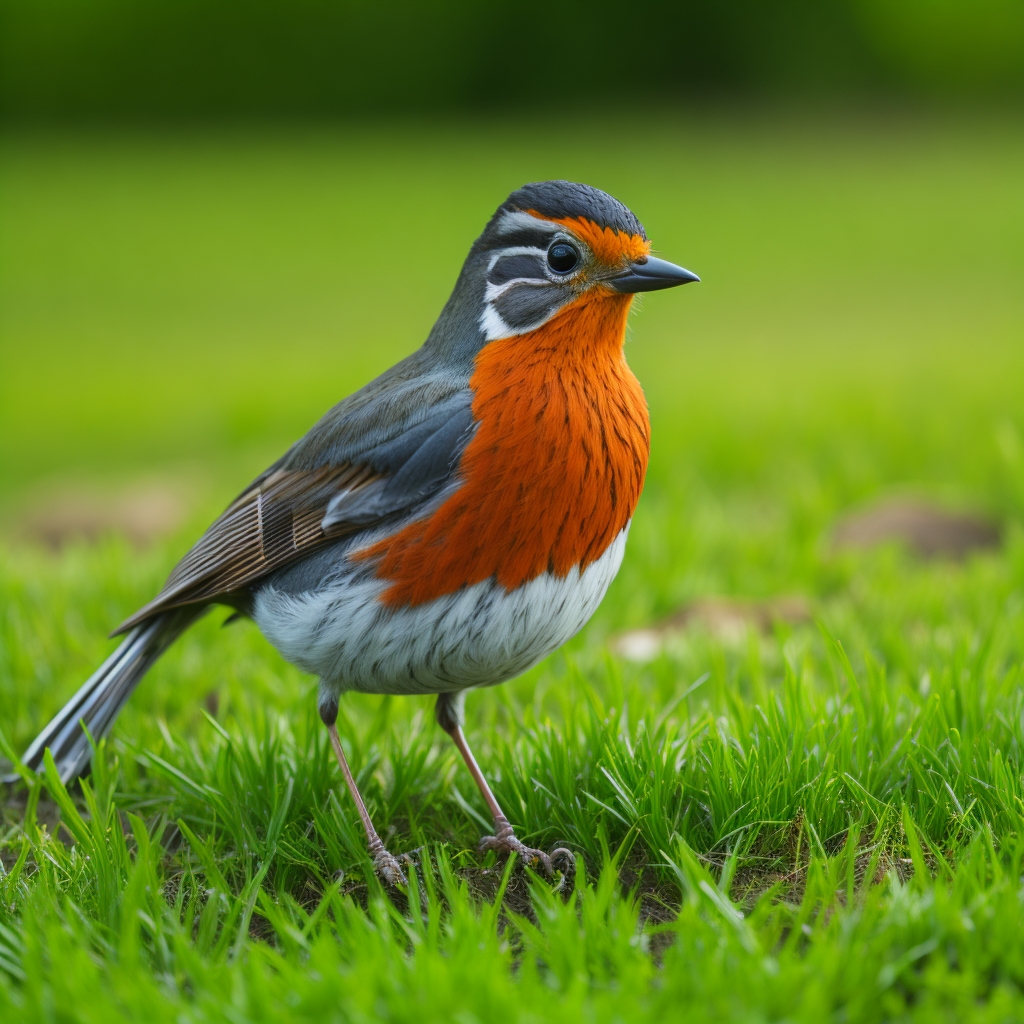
{"x": 552, "y": 242}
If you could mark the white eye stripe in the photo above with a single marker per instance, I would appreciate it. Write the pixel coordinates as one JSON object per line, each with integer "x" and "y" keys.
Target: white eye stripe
{"x": 515, "y": 250}
{"x": 516, "y": 220}
{"x": 494, "y": 291}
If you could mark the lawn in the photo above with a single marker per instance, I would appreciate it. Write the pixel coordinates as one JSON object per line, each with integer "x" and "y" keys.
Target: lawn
{"x": 822, "y": 820}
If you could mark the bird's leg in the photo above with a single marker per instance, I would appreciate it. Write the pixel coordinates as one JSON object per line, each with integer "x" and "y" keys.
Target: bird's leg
{"x": 384, "y": 863}
{"x": 449, "y": 717}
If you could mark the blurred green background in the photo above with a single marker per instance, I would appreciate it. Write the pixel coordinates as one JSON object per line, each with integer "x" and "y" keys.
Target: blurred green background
{"x": 220, "y": 217}
{"x": 74, "y": 59}
{"x": 199, "y": 297}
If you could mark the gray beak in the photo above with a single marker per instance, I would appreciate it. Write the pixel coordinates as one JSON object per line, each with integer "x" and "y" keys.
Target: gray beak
{"x": 650, "y": 276}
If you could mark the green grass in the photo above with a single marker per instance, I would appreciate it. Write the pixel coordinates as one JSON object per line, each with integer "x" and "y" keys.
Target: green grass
{"x": 822, "y": 824}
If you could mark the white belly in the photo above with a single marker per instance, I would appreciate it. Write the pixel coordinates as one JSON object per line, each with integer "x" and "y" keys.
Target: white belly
{"x": 475, "y": 637}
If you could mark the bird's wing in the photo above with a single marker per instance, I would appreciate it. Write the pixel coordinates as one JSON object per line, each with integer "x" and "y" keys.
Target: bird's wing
{"x": 294, "y": 508}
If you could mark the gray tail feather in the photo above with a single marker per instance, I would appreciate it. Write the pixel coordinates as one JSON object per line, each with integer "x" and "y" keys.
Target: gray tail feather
{"x": 104, "y": 693}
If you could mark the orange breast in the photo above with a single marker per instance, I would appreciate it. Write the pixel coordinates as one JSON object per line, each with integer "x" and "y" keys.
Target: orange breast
{"x": 552, "y": 474}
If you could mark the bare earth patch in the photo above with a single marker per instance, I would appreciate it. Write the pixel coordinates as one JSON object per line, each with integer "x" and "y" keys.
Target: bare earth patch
{"x": 144, "y": 510}
{"x": 728, "y": 618}
{"x": 926, "y": 529}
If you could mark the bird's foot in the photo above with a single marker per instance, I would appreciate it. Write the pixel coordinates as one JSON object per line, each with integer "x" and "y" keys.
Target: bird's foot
{"x": 387, "y": 867}
{"x": 504, "y": 841}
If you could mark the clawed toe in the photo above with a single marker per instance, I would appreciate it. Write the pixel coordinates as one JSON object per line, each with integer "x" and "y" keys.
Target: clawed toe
{"x": 537, "y": 859}
{"x": 505, "y": 842}
{"x": 388, "y": 869}
{"x": 563, "y": 860}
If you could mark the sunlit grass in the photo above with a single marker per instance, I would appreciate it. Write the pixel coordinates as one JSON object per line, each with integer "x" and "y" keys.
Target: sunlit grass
{"x": 821, "y": 823}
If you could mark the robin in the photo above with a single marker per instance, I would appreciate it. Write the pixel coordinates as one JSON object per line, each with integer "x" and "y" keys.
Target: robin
{"x": 455, "y": 520}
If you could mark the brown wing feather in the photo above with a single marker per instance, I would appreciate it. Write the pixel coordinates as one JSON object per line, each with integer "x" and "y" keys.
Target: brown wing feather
{"x": 272, "y": 523}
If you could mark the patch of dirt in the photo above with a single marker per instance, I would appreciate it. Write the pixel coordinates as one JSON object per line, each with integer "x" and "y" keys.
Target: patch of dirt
{"x": 783, "y": 867}
{"x": 144, "y": 511}
{"x": 924, "y": 528}
{"x": 728, "y": 618}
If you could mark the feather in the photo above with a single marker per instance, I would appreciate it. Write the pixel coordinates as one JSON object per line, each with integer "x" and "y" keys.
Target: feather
{"x": 289, "y": 513}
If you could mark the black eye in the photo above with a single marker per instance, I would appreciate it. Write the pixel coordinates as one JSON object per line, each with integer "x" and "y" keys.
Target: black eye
{"x": 562, "y": 257}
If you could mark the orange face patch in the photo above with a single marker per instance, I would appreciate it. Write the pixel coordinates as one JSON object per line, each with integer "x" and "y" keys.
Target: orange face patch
{"x": 610, "y": 246}
{"x": 554, "y": 471}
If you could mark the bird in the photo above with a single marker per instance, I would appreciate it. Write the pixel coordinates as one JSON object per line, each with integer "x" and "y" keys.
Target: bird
{"x": 451, "y": 523}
